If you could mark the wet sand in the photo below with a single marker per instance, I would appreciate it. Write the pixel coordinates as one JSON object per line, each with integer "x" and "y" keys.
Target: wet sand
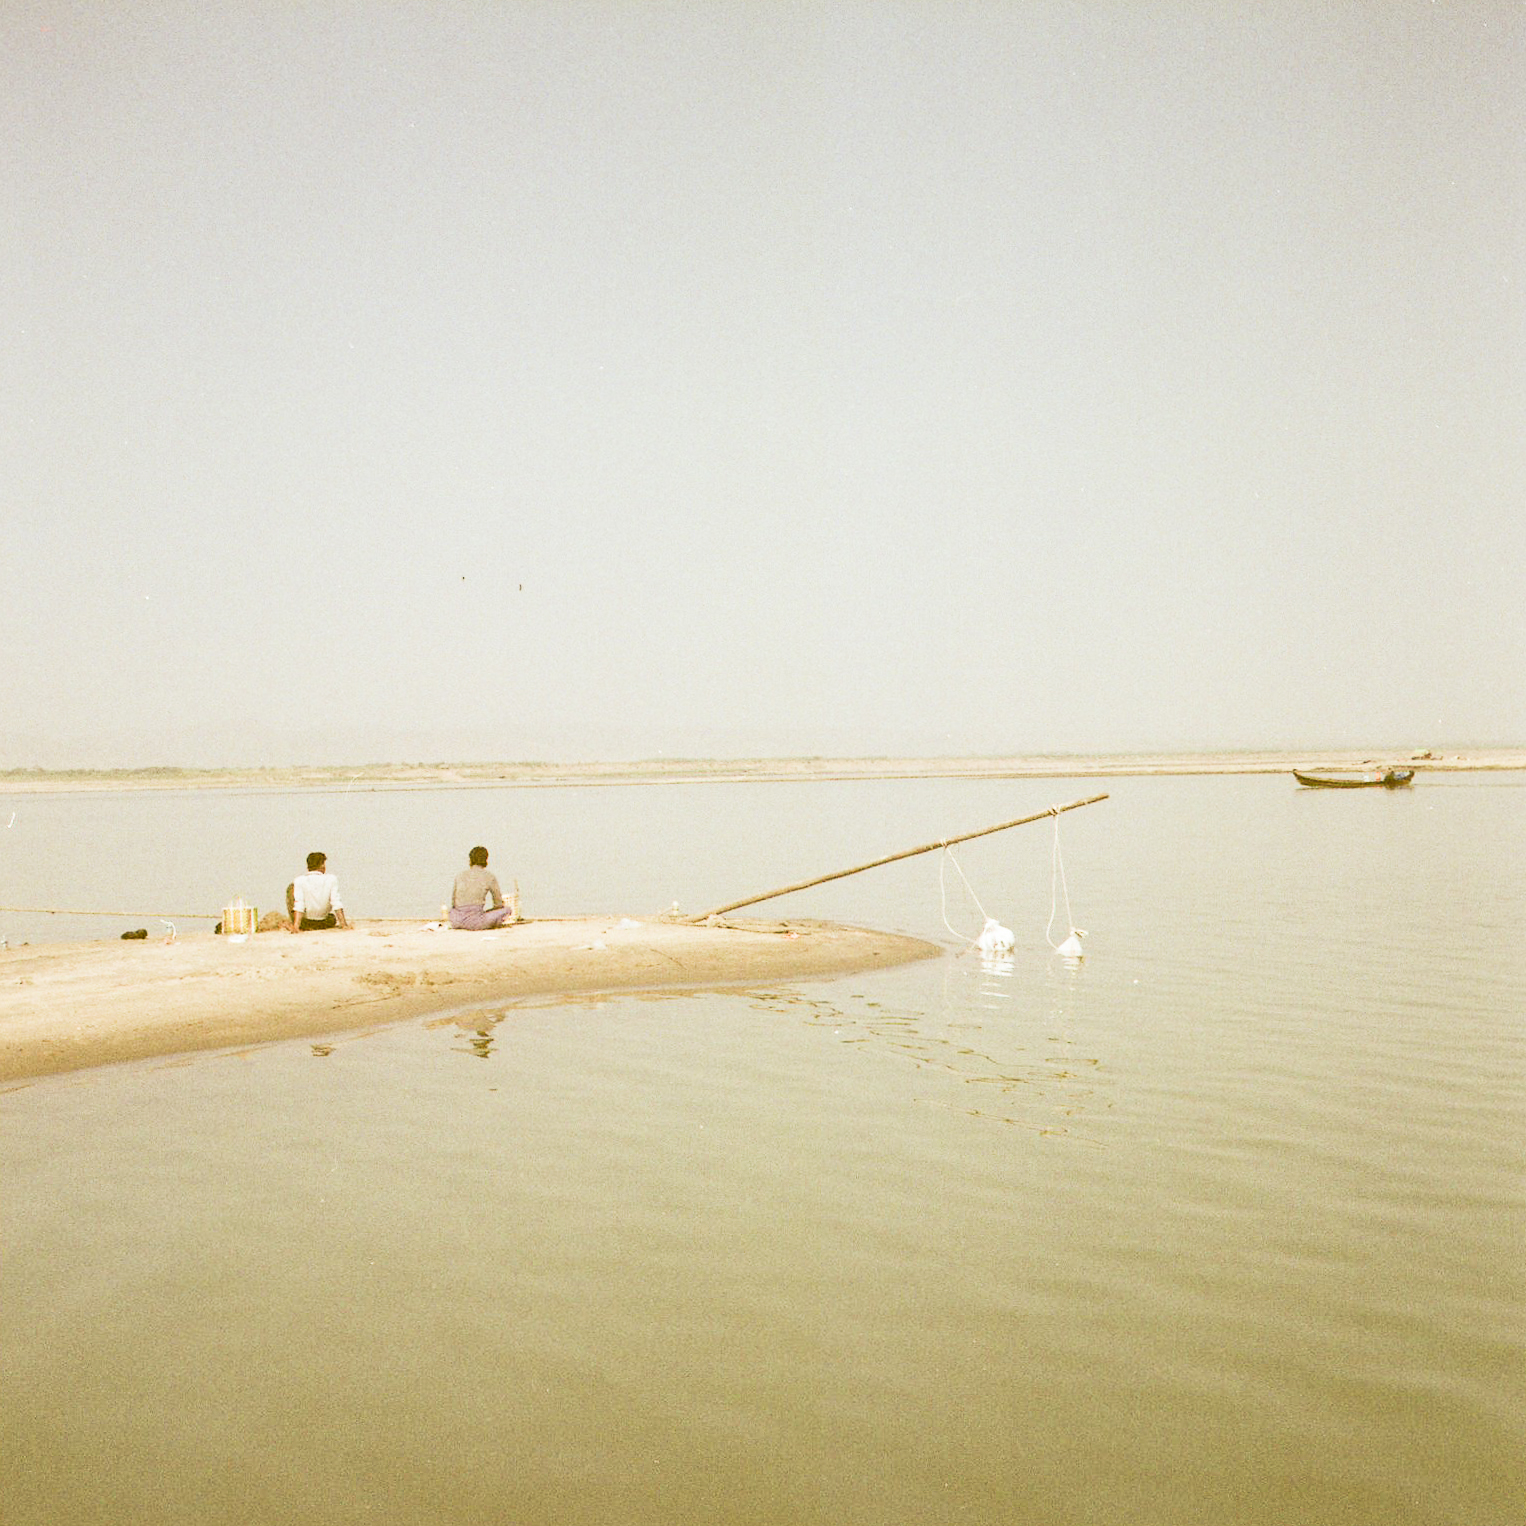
{"x": 71, "y": 1006}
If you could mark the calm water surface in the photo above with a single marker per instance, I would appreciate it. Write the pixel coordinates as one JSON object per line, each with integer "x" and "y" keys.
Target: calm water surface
{"x": 1225, "y": 1225}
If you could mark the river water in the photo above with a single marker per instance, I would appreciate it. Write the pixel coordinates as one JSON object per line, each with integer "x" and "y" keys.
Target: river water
{"x": 1225, "y": 1224}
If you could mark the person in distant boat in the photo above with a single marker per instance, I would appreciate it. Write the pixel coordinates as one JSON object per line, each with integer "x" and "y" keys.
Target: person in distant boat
{"x": 314, "y": 898}
{"x": 474, "y": 888}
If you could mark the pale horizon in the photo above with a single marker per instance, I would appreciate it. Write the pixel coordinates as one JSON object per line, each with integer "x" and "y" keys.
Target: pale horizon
{"x": 598, "y": 380}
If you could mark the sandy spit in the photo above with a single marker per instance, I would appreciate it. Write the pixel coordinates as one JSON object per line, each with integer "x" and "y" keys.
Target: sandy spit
{"x": 71, "y": 1006}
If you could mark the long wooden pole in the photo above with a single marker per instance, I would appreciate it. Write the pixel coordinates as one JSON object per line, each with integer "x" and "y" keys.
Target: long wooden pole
{"x": 890, "y": 858}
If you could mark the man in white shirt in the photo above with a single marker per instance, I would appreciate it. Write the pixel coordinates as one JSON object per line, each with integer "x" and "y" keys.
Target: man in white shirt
{"x": 315, "y": 899}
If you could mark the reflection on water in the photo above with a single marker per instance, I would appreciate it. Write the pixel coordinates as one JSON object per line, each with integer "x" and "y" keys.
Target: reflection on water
{"x": 478, "y": 1036}
{"x": 998, "y": 968}
{"x": 986, "y": 1049}
{"x": 1224, "y": 1224}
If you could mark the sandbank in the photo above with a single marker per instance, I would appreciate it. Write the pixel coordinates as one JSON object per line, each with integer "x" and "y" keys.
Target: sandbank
{"x": 67, "y": 1007}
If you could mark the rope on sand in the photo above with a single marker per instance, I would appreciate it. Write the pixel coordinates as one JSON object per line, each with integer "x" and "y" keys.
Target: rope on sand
{"x": 144, "y": 916}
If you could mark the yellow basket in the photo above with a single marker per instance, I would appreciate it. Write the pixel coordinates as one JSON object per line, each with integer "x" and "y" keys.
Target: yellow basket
{"x": 239, "y": 918}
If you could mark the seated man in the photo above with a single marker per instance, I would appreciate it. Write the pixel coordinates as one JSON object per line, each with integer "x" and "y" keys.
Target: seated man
{"x": 473, "y": 889}
{"x": 315, "y": 899}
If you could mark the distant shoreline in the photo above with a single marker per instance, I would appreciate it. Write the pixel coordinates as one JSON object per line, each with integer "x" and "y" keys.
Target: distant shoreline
{"x": 651, "y": 771}
{"x": 376, "y": 776}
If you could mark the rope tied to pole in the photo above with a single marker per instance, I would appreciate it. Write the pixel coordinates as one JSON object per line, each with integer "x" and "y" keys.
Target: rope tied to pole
{"x": 1072, "y": 944}
{"x": 948, "y": 858}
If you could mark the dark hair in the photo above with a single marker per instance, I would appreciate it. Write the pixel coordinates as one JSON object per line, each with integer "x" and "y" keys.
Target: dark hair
{"x": 317, "y": 860}
{"x": 478, "y": 858}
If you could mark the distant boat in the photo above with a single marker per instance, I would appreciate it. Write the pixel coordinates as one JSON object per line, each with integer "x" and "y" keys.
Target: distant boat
{"x": 1354, "y": 778}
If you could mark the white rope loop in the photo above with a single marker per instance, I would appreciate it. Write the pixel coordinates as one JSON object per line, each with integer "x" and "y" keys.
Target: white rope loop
{"x": 1057, "y": 879}
{"x": 1070, "y": 950}
{"x": 948, "y": 854}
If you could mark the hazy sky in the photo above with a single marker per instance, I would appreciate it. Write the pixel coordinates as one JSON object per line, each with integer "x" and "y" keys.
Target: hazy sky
{"x": 411, "y": 381}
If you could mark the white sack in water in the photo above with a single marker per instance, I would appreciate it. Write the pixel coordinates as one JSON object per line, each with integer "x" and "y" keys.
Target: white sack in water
{"x": 1071, "y": 947}
{"x": 994, "y": 938}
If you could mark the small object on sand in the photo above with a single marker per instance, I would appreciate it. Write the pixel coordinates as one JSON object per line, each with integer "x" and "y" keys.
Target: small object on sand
{"x": 139, "y": 932}
{"x": 239, "y": 918}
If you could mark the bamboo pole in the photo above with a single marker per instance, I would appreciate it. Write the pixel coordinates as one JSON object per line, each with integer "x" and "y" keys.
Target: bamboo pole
{"x": 890, "y": 858}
